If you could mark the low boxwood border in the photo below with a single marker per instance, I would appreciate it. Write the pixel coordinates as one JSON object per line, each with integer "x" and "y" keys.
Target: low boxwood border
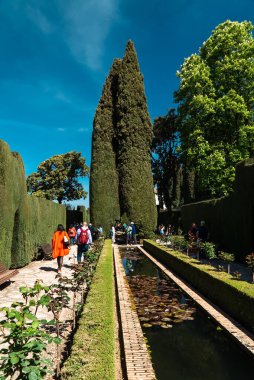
{"x": 92, "y": 353}
{"x": 233, "y": 296}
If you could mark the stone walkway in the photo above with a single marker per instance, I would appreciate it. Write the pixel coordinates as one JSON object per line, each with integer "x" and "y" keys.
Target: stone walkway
{"x": 46, "y": 271}
{"x": 36, "y": 270}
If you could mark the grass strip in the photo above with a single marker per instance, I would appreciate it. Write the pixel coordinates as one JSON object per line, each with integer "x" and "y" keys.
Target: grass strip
{"x": 92, "y": 354}
{"x": 234, "y": 296}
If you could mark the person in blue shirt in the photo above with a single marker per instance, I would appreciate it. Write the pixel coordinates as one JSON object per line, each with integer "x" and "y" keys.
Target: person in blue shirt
{"x": 100, "y": 230}
{"x": 134, "y": 233}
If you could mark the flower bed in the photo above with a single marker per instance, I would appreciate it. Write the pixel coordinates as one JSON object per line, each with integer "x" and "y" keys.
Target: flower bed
{"x": 233, "y": 296}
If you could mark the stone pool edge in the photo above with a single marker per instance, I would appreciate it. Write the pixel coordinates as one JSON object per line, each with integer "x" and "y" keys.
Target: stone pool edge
{"x": 239, "y": 333}
{"x": 137, "y": 359}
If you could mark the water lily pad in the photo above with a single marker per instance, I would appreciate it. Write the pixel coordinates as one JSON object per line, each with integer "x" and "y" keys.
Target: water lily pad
{"x": 166, "y": 319}
{"x": 177, "y": 320}
{"x": 166, "y": 326}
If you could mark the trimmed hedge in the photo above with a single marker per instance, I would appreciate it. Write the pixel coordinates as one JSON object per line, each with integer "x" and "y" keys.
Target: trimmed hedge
{"x": 234, "y": 297}
{"x": 25, "y": 221}
{"x": 92, "y": 354}
{"x": 230, "y": 219}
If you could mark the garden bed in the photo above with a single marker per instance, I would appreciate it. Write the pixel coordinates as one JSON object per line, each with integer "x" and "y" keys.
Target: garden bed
{"x": 39, "y": 317}
{"x": 92, "y": 354}
{"x": 233, "y": 296}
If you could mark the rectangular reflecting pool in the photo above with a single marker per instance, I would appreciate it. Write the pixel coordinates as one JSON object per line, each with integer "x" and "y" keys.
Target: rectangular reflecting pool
{"x": 185, "y": 343}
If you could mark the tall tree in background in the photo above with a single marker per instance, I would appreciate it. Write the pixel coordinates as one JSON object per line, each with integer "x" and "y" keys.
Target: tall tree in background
{"x": 121, "y": 177}
{"x": 104, "y": 193}
{"x": 167, "y": 170}
{"x": 216, "y": 98}
{"x": 134, "y": 134}
{"x": 57, "y": 178}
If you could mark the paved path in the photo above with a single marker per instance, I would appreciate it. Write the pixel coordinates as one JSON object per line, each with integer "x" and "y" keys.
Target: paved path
{"x": 43, "y": 270}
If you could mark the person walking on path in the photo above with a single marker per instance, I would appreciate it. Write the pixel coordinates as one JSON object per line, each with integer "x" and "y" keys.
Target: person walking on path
{"x": 60, "y": 246}
{"x": 84, "y": 240}
{"x": 72, "y": 233}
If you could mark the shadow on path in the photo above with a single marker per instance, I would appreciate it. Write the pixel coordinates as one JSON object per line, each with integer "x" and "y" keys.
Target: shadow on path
{"x": 48, "y": 269}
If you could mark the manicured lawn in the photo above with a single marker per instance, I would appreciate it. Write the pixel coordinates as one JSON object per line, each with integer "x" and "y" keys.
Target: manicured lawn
{"x": 92, "y": 355}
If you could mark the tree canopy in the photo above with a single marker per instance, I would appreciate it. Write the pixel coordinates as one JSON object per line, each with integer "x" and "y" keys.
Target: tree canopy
{"x": 166, "y": 164}
{"x": 215, "y": 113}
{"x": 57, "y": 178}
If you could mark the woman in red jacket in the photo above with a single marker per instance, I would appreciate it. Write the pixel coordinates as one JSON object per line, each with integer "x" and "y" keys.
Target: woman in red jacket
{"x": 60, "y": 245}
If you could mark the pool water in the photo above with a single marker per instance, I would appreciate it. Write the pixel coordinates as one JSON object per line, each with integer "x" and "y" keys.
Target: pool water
{"x": 186, "y": 344}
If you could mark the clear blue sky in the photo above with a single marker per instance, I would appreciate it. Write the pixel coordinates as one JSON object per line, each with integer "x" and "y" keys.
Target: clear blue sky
{"x": 56, "y": 54}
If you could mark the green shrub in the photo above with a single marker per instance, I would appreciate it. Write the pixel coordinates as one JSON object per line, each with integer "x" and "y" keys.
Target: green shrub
{"x": 209, "y": 250}
{"x": 233, "y": 296}
{"x": 228, "y": 258}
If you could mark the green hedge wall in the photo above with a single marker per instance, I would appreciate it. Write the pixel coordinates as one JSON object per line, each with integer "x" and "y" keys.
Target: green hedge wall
{"x": 230, "y": 220}
{"x": 234, "y": 297}
{"x": 25, "y": 221}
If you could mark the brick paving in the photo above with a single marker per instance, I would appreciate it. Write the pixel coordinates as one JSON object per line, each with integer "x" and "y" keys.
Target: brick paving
{"x": 137, "y": 358}
{"x": 243, "y": 337}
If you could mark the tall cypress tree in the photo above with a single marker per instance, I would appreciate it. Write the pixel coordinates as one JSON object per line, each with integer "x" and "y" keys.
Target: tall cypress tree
{"x": 134, "y": 136}
{"x": 104, "y": 194}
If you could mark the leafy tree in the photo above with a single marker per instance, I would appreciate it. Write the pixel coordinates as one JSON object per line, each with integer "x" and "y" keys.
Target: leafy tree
{"x": 167, "y": 171}
{"x": 57, "y": 178}
{"x": 134, "y": 136}
{"x": 216, "y": 98}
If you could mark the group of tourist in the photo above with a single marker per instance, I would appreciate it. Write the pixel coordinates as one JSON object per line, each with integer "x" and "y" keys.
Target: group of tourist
{"x": 72, "y": 231}
{"x": 167, "y": 231}
{"x": 128, "y": 231}
{"x": 198, "y": 233}
{"x": 82, "y": 236}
